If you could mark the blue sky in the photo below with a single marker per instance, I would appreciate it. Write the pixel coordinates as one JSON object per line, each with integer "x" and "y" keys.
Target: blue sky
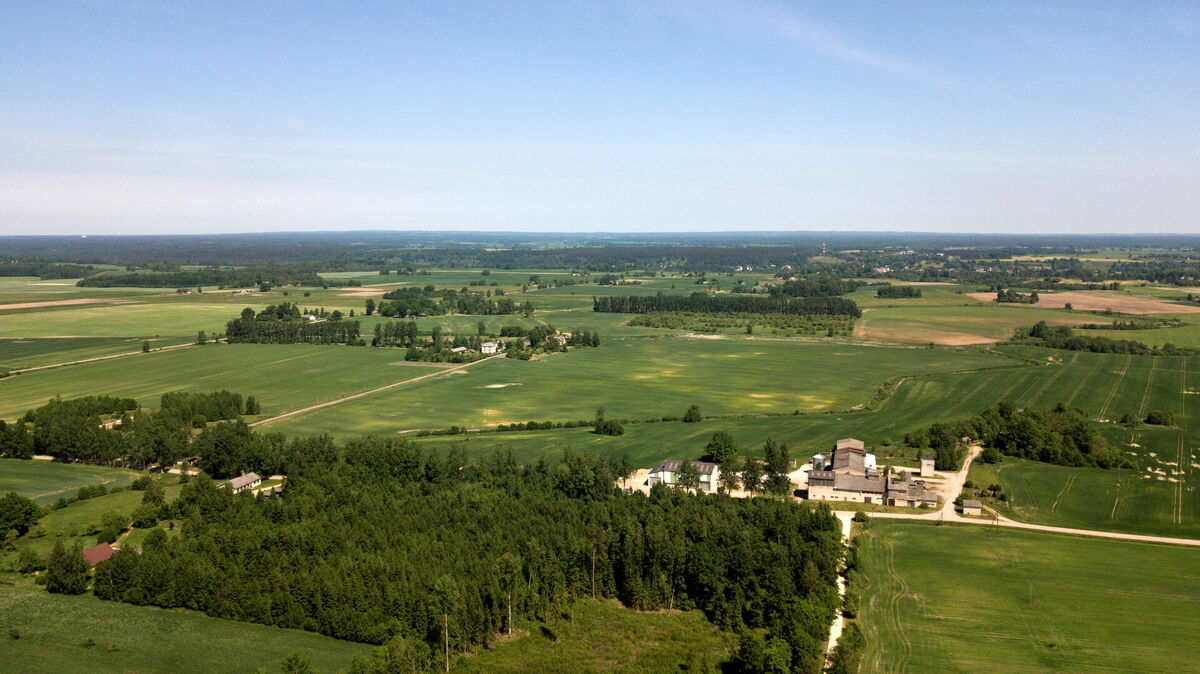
{"x": 146, "y": 117}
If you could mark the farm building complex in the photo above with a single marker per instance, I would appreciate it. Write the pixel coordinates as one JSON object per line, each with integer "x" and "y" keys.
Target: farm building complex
{"x": 851, "y": 475}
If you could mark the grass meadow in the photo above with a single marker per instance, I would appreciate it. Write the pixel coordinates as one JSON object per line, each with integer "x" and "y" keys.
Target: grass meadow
{"x": 282, "y": 376}
{"x": 46, "y": 481}
{"x": 640, "y": 379}
{"x": 605, "y": 637}
{"x": 970, "y": 599}
{"x": 23, "y": 353}
{"x": 55, "y": 629}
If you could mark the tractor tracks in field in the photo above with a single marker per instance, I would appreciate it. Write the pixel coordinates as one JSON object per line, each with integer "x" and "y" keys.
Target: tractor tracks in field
{"x": 363, "y": 394}
{"x": 1116, "y": 386}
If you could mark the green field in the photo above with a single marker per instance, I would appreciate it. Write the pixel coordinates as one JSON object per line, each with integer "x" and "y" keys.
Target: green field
{"x": 970, "y": 598}
{"x": 603, "y": 637}
{"x": 22, "y": 353}
{"x": 640, "y": 379}
{"x": 46, "y": 481}
{"x": 53, "y": 629}
{"x": 281, "y": 376}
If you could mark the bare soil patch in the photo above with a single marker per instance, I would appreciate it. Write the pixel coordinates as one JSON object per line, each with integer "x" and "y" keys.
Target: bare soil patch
{"x": 61, "y": 303}
{"x": 1099, "y": 301}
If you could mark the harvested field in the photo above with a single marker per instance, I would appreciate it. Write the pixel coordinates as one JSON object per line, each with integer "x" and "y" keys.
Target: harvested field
{"x": 1101, "y": 300}
{"x": 60, "y": 303}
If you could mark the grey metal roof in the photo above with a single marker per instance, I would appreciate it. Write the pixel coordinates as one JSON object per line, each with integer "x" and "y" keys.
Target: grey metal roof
{"x": 673, "y": 465}
{"x": 241, "y": 481}
{"x": 972, "y": 503}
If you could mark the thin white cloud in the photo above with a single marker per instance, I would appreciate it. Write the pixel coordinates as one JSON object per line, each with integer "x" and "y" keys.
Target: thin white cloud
{"x": 802, "y": 32}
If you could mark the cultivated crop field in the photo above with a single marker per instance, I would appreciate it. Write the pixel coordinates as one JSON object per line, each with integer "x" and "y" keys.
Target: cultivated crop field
{"x": 24, "y": 353}
{"x": 640, "y": 379}
{"x": 282, "y": 376}
{"x": 965, "y": 598}
{"x": 46, "y": 481}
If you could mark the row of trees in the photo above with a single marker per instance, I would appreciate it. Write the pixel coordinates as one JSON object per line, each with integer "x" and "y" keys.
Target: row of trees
{"x": 897, "y": 292}
{"x": 386, "y": 543}
{"x": 1061, "y": 337}
{"x": 816, "y": 287}
{"x": 707, "y": 302}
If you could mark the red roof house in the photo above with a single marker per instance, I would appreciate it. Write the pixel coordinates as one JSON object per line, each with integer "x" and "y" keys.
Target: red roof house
{"x": 96, "y": 554}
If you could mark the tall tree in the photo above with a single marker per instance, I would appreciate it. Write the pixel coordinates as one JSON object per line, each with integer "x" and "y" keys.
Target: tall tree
{"x": 508, "y": 568}
{"x": 66, "y": 570}
{"x": 720, "y": 449}
{"x": 444, "y": 598}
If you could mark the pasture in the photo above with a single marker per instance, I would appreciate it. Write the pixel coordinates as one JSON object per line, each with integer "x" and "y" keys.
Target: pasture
{"x": 282, "y": 376}
{"x": 640, "y": 379}
{"x": 55, "y": 632}
{"x": 970, "y": 322}
{"x": 46, "y": 481}
{"x": 965, "y": 598}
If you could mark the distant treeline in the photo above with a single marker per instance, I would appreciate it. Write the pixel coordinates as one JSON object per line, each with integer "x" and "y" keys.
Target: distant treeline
{"x": 898, "y": 292}
{"x": 1060, "y": 337}
{"x": 45, "y": 270}
{"x": 274, "y": 325}
{"x": 1135, "y": 324}
{"x": 378, "y": 541}
{"x": 241, "y": 277}
{"x": 711, "y": 303}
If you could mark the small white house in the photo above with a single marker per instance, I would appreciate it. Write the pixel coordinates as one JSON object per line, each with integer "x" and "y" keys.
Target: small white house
{"x": 667, "y": 472}
{"x": 245, "y": 481}
{"x": 972, "y": 507}
{"x": 309, "y": 317}
{"x": 458, "y": 349}
{"x": 488, "y": 348}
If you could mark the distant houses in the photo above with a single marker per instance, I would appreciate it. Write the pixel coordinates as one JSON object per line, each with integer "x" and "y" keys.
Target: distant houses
{"x": 489, "y": 348}
{"x": 667, "y": 473}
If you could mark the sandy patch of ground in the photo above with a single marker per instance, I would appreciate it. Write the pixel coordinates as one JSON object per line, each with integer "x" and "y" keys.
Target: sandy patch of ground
{"x": 61, "y": 303}
{"x": 370, "y": 290}
{"x": 696, "y": 335}
{"x": 761, "y": 395}
{"x": 511, "y": 383}
{"x": 1100, "y": 300}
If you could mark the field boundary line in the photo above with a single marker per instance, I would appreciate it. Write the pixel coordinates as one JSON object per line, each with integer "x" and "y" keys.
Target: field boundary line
{"x": 330, "y": 403}
{"x": 1062, "y": 492}
{"x": 110, "y": 356}
{"x": 1052, "y": 380}
{"x": 1146, "y": 391}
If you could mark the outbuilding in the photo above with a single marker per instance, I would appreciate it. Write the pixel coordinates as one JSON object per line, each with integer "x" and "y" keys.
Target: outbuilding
{"x": 972, "y": 507}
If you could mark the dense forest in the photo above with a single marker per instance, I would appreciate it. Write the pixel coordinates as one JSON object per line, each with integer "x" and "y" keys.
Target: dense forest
{"x": 45, "y": 270}
{"x": 815, "y": 287}
{"x": 383, "y": 542}
{"x": 710, "y": 303}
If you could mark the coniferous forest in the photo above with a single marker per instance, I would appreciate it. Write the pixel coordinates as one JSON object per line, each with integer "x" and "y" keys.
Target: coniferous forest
{"x": 380, "y": 541}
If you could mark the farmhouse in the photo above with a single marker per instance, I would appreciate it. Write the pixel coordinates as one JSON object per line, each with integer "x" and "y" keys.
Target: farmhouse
{"x": 667, "y": 472}
{"x": 98, "y": 553}
{"x": 489, "y": 348}
{"x": 244, "y": 481}
{"x": 852, "y": 476}
{"x": 972, "y": 507}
